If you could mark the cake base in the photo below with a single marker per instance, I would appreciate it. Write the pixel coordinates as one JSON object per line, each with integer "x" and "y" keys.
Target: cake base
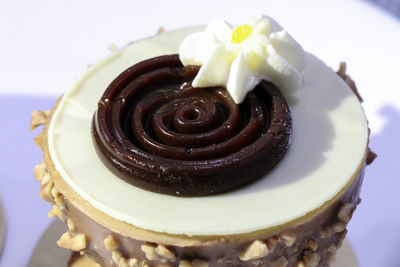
{"x": 48, "y": 254}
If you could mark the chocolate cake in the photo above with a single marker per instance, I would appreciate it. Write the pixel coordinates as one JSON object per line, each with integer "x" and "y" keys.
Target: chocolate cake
{"x": 156, "y": 158}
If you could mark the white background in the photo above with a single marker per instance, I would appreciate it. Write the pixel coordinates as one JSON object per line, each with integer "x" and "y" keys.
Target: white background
{"x": 46, "y": 45}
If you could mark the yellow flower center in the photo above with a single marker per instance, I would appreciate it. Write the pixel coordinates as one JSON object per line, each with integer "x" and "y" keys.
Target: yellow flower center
{"x": 241, "y": 33}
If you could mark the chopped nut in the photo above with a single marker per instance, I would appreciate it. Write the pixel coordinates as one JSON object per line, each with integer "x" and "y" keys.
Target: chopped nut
{"x": 45, "y": 179}
{"x": 112, "y": 47}
{"x": 150, "y": 252}
{"x": 256, "y": 262}
{"x": 200, "y": 263}
{"x": 55, "y": 193}
{"x": 312, "y": 259}
{"x": 288, "y": 237}
{"x": 342, "y": 236}
{"x": 133, "y": 262}
{"x": 160, "y": 30}
{"x": 342, "y": 70}
{"x": 331, "y": 253}
{"x": 279, "y": 262}
{"x": 116, "y": 256}
{"x": 185, "y": 263}
{"x": 325, "y": 232}
{"x": 45, "y": 192}
{"x": 301, "y": 263}
{"x": 338, "y": 226}
{"x": 295, "y": 249}
{"x": 71, "y": 225}
{"x": 332, "y": 249}
{"x": 55, "y": 211}
{"x": 123, "y": 262}
{"x": 330, "y": 258}
{"x": 39, "y": 141}
{"x": 60, "y": 202}
{"x": 110, "y": 243}
{"x": 312, "y": 245}
{"x": 345, "y": 212}
{"x": 194, "y": 263}
{"x": 271, "y": 243}
{"x": 120, "y": 260}
{"x": 38, "y": 118}
{"x": 342, "y": 73}
{"x": 39, "y": 171}
{"x": 256, "y": 250}
{"x": 58, "y": 199}
{"x": 75, "y": 243}
{"x": 165, "y": 253}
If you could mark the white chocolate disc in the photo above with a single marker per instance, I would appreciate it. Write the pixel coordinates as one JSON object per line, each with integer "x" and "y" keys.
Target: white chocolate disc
{"x": 330, "y": 135}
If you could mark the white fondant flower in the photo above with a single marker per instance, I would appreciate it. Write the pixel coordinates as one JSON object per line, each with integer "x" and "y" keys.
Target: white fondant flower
{"x": 239, "y": 58}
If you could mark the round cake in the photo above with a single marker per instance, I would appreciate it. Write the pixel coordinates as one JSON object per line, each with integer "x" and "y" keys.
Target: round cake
{"x": 139, "y": 185}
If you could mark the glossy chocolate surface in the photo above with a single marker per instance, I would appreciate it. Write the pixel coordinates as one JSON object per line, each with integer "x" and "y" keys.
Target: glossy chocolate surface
{"x": 157, "y": 132}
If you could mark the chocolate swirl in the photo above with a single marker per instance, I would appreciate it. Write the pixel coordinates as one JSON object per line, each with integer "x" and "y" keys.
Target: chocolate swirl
{"x": 157, "y": 132}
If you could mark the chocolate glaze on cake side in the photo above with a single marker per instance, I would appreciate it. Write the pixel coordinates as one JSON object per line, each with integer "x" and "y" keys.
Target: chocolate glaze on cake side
{"x": 156, "y": 131}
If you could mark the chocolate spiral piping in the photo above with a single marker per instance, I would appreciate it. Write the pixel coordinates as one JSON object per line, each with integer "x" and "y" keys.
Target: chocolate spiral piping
{"x": 157, "y": 132}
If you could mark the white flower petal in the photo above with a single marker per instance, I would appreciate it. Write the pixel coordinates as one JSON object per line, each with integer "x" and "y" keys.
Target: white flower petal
{"x": 241, "y": 79}
{"x": 288, "y": 48}
{"x": 215, "y": 70}
{"x": 251, "y": 57}
{"x": 255, "y": 19}
{"x": 240, "y": 66}
{"x": 277, "y": 70}
{"x": 232, "y": 49}
{"x": 257, "y": 48}
{"x": 221, "y": 29}
{"x": 247, "y": 53}
{"x": 262, "y": 26}
{"x": 274, "y": 25}
{"x": 262, "y": 39}
{"x": 196, "y": 48}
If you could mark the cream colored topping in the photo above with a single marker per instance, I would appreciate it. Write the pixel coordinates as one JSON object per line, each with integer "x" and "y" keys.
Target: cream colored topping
{"x": 239, "y": 58}
{"x": 329, "y": 143}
